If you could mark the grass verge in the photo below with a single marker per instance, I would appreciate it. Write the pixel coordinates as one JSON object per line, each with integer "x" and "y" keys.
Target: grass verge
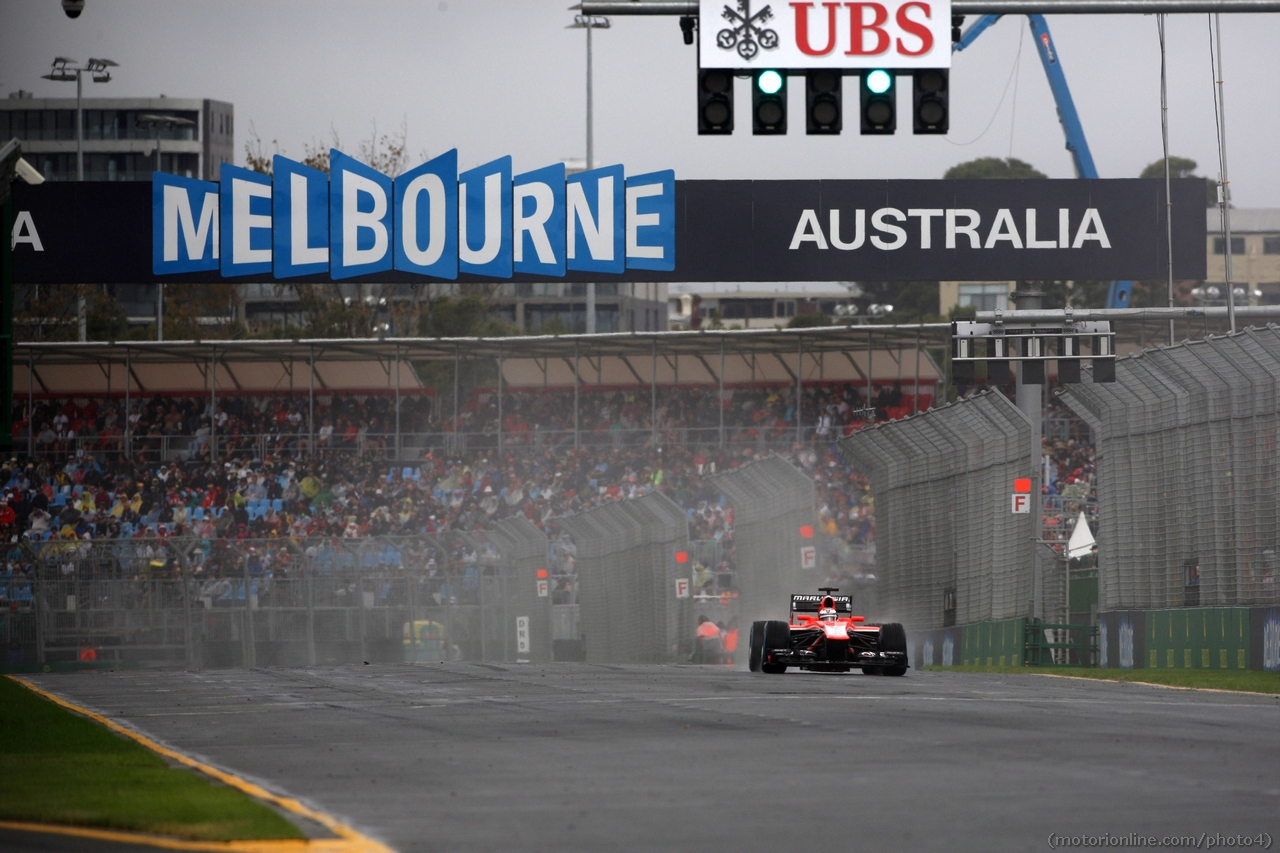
{"x": 1246, "y": 680}
{"x": 59, "y": 767}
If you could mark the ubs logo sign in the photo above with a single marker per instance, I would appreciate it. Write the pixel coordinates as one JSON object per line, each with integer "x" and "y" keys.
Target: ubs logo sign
{"x": 745, "y": 31}
{"x": 890, "y": 34}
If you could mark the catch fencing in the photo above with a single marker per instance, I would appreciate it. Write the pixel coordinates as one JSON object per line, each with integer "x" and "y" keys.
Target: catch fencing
{"x": 1186, "y": 456}
{"x": 282, "y": 602}
{"x": 948, "y": 550}
{"x": 627, "y": 564}
{"x": 774, "y": 545}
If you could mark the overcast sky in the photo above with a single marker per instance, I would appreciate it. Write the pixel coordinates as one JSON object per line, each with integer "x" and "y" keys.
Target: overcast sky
{"x": 495, "y": 77}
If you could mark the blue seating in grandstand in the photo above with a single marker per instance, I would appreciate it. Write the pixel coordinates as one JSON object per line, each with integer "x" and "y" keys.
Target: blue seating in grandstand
{"x": 277, "y": 505}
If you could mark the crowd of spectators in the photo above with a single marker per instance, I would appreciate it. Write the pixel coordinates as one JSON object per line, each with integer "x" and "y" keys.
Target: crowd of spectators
{"x": 252, "y": 492}
{"x": 1071, "y": 485}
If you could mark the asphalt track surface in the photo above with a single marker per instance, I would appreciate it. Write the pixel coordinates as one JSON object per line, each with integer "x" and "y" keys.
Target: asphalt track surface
{"x": 578, "y": 757}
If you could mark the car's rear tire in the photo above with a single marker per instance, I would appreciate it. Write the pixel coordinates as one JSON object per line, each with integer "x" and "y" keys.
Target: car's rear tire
{"x": 870, "y": 670}
{"x": 893, "y": 638}
{"x": 757, "y": 646}
{"x": 777, "y": 635}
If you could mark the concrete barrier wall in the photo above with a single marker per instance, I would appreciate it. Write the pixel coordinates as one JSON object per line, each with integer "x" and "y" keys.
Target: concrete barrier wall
{"x": 1191, "y": 638}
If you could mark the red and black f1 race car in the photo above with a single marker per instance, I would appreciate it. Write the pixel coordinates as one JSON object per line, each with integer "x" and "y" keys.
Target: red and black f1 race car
{"x": 824, "y": 636}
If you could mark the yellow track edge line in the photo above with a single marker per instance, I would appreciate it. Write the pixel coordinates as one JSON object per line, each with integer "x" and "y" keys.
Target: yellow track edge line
{"x": 300, "y": 845}
{"x": 348, "y": 839}
{"x": 1153, "y": 684}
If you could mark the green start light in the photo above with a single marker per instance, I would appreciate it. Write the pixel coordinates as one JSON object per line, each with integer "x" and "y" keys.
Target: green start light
{"x": 770, "y": 82}
{"x": 878, "y": 81}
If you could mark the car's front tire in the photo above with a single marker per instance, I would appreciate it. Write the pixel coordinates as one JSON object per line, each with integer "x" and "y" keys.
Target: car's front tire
{"x": 777, "y": 635}
{"x": 893, "y": 638}
{"x": 757, "y": 646}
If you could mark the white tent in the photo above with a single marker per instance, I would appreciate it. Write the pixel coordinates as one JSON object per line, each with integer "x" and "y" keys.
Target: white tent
{"x": 1081, "y": 541}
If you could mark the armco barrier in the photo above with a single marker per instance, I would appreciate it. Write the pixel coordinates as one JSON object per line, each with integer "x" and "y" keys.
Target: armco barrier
{"x": 772, "y": 501}
{"x": 1189, "y": 515}
{"x": 948, "y": 549}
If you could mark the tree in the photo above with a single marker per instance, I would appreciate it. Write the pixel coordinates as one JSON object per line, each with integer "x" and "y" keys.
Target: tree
{"x": 993, "y": 167}
{"x": 1183, "y": 167}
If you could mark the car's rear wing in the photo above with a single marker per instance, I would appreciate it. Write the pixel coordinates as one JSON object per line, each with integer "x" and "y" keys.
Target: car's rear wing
{"x": 813, "y": 603}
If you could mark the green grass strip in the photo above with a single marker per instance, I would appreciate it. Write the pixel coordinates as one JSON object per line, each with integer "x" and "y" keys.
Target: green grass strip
{"x": 1246, "y": 680}
{"x": 60, "y": 767}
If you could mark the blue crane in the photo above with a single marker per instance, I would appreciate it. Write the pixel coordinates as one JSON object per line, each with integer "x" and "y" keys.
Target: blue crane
{"x": 1118, "y": 296}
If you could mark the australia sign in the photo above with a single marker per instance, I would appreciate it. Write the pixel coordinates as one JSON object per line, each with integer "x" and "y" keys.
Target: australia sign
{"x": 486, "y": 224}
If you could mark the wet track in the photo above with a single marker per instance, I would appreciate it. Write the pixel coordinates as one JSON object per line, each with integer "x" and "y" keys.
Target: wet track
{"x": 602, "y": 758}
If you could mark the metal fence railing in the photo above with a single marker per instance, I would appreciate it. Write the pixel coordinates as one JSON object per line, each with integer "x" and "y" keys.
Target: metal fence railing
{"x": 192, "y": 602}
{"x": 775, "y": 549}
{"x": 626, "y": 554}
{"x": 1186, "y": 450}
{"x": 948, "y": 551}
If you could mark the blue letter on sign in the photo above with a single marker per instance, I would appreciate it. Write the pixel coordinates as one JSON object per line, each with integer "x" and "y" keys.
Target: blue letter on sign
{"x": 537, "y": 209}
{"x": 651, "y": 221}
{"x": 484, "y": 219}
{"x": 360, "y": 223}
{"x": 300, "y": 219}
{"x": 427, "y": 218}
{"x": 184, "y": 224}
{"x": 245, "y": 206}
{"x": 595, "y": 220}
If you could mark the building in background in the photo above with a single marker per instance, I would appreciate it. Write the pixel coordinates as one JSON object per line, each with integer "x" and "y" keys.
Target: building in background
{"x": 1255, "y": 253}
{"x": 532, "y": 307}
{"x": 116, "y": 146}
{"x": 753, "y": 305}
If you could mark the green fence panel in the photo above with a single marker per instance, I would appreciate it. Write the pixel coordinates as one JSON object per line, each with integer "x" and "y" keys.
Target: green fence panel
{"x": 1198, "y": 638}
{"x": 993, "y": 643}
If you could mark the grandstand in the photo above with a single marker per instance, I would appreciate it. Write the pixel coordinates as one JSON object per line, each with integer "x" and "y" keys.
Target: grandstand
{"x": 240, "y": 473}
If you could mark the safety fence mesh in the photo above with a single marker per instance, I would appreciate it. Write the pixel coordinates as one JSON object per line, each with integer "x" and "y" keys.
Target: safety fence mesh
{"x": 626, "y": 560}
{"x": 773, "y": 533}
{"x": 1186, "y": 456}
{"x": 948, "y": 550}
{"x": 287, "y": 602}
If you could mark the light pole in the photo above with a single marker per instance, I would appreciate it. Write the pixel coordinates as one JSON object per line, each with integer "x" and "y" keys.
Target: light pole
{"x": 589, "y": 23}
{"x": 156, "y": 121}
{"x": 64, "y": 72}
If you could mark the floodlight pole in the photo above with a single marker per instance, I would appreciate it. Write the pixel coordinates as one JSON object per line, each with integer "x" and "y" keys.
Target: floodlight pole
{"x": 1030, "y": 401}
{"x": 79, "y": 126}
{"x": 589, "y": 23}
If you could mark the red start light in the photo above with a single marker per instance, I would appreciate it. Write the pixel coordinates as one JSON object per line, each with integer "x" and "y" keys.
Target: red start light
{"x": 1022, "y": 485}
{"x": 806, "y": 531}
{"x": 542, "y": 573}
{"x": 682, "y": 557}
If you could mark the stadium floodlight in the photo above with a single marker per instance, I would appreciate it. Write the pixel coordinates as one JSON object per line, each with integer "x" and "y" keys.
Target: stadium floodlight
{"x": 155, "y": 121}
{"x": 64, "y": 71}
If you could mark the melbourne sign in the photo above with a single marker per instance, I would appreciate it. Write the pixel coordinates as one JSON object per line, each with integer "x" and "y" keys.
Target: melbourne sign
{"x": 888, "y": 34}
{"x": 430, "y": 221}
{"x": 486, "y": 224}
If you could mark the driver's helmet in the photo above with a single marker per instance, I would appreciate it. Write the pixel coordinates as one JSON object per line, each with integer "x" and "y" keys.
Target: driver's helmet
{"x": 827, "y": 614}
